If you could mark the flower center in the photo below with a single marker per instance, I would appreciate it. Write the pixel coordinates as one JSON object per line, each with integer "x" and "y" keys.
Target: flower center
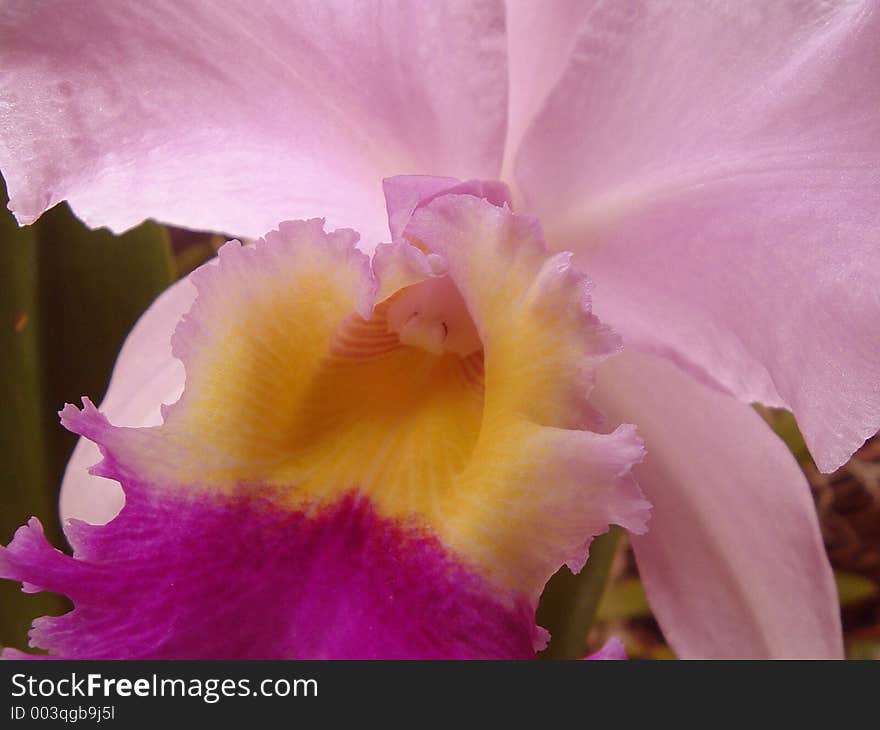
{"x": 432, "y": 316}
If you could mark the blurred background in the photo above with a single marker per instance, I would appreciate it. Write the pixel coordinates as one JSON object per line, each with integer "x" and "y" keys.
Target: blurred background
{"x": 69, "y": 296}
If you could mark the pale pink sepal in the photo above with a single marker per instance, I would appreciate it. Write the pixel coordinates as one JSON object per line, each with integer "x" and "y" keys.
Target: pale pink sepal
{"x": 612, "y": 650}
{"x": 717, "y": 167}
{"x": 145, "y": 377}
{"x": 217, "y": 116}
{"x": 733, "y": 564}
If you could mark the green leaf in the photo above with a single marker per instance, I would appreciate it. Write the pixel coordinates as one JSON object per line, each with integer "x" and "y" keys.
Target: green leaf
{"x": 623, "y": 601}
{"x": 68, "y": 297}
{"x": 867, "y": 649}
{"x": 784, "y": 424}
{"x": 93, "y": 288}
{"x": 192, "y": 249}
{"x": 569, "y": 603}
{"x": 853, "y": 588}
{"x": 25, "y": 483}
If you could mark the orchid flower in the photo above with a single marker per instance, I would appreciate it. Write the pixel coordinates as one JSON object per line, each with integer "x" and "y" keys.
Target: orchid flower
{"x": 712, "y": 167}
{"x": 351, "y": 470}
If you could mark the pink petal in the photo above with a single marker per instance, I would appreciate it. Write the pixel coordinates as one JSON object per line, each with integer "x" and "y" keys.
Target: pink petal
{"x": 612, "y": 650}
{"x": 718, "y": 172}
{"x": 145, "y": 376}
{"x": 209, "y": 578}
{"x": 224, "y": 117}
{"x": 733, "y": 563}
{"x": 405, "y": 193}
{"x": 540, "y": 40}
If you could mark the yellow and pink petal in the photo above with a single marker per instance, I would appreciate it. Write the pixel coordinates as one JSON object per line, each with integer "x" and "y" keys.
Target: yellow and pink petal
{"x": 354, "y": 470}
